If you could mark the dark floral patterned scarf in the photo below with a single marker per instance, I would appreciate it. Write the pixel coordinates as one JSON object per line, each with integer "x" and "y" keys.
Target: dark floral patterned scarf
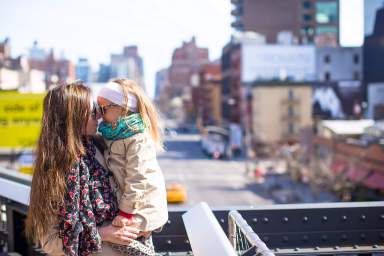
{"x": 88, "y": 202}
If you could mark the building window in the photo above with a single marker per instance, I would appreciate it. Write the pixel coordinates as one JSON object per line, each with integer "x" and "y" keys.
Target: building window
{"x": 307, "y": 5}
{"x": 307, "y": 17}
{"x": 290, "y": 94}
{"x": 356, "y": 59}
{"x": 327, "y": 59}
{"x": 326, "y": 30}
{"x": 356, "y": 75}
{"x": 291, "y": 128}
{"x": 307, "y": 30}
{"x": 327, "y": 76}
{"x": 326, "y": 12}
{"x": 291, "y": 111}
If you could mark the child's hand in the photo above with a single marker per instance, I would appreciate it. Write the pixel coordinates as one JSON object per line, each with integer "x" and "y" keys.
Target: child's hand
{"x": 120, "y": 221}
{"x": 145, "y": 234}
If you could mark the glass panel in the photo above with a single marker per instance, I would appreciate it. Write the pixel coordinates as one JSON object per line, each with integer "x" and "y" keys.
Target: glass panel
{"x": 326, "y": 29}
{"x": 326, "y": 12}
{"x": 307, "y": 5}
{"x": 307, "y": 17}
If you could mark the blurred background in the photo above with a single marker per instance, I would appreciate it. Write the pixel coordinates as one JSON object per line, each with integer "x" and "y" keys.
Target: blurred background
{"x": 262, "y": 101}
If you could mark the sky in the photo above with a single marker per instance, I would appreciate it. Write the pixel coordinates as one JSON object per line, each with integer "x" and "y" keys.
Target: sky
{"x": 370, "y": 8}
{"x": 96, "y": 28}
{"x": 352, "y": 22}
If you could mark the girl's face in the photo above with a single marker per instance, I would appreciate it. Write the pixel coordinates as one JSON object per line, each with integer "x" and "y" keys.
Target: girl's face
{"x": 109, "y": 110}
{"x": 91, "y": 127}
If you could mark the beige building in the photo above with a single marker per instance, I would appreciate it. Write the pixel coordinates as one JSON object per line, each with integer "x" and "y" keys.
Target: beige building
{"x": 280, "y": 110}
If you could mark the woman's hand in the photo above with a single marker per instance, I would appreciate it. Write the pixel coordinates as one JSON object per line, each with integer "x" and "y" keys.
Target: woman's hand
{"x": 118, "y": 235}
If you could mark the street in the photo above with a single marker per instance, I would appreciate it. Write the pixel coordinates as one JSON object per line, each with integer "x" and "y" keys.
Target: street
{"x": 223, "y": 182}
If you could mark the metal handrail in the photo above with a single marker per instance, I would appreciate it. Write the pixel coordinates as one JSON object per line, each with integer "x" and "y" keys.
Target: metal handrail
{"x": 235, "y": 221}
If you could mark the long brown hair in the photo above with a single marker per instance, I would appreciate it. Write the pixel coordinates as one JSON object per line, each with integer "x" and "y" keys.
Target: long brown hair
{"x": 145, "y": 107}
{"x": 65, "y": 114}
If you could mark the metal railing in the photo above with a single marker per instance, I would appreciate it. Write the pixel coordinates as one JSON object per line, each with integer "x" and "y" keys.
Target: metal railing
{"x": 290, "y": 229}
{"x": 242, "y": 237}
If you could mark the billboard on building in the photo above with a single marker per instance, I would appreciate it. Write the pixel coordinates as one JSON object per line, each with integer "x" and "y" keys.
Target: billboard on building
{"x": 20, "y": 119}
{"x": 376, "y": 101}
{"x": 277, "y": 62}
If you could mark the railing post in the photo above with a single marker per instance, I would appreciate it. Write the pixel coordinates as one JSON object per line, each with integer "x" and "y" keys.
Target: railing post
{"x": 232, "y": 230}
{"x": 240, "y": 223}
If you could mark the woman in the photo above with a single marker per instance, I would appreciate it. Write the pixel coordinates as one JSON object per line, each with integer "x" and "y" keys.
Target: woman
{"x": 71, "y": 198}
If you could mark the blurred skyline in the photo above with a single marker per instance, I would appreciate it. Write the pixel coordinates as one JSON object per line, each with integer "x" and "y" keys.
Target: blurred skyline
{"x": 95, "y": 29}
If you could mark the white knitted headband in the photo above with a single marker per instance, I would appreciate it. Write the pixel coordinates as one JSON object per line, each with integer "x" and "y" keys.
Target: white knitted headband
{"x": 114, "y": 93}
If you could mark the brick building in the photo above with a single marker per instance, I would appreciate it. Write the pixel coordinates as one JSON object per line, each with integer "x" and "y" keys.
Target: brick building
{"x": 309, "y": 20}
{"x": 184, "y": 76}
{"x": 208, "y": 98}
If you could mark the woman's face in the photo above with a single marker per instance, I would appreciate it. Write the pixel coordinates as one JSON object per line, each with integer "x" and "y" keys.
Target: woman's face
{"x": 92, "y": 123}
{"x": 109, "y": 110}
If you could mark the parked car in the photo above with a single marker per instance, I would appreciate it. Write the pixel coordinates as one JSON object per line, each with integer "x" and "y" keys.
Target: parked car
{"x": 170, "y": 132}
{"x": 215, "y": 142}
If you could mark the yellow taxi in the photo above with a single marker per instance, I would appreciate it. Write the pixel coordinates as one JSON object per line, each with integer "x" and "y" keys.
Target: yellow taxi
{"x": 25, "y": 162}
{"x": 176, "y": 193}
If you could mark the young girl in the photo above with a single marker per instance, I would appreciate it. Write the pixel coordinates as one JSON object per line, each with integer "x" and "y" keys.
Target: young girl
{"x": 130, "y": 130}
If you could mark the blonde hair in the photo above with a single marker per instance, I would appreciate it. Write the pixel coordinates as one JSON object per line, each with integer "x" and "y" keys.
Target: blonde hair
{"x": 145, "y": 107}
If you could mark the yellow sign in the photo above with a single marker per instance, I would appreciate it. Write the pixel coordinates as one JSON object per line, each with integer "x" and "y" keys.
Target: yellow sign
{"x": 20, "y": 119}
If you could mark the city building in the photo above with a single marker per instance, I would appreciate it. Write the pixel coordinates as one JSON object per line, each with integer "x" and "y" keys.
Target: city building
{"x": 162, "y": 95}
{"x": 338, "y": 100}
{"x": 17, "y": 73}
{"x": 310, "y": 21}
{"x": 370, "y": 9}
{"x": 128, "y": 64}
{"x": 65, "y": 70}
{"x": 209, "y": 95}
{"x": 351, "y": 153}
{"x": 338, "y": 90}
{"x": 55, "y": 70}
{"x": 246, "y": 60}
{"x": 83, "y": 70}
{"x": 373, "y": 51}
{"x": 186, "y": 62}
{"x": 161, "y": 81}
{"x": 104, "y": 73}
{"x": 231, "y": 95}
{"x": 184, "y": 76}
{"x": 291, "y": 105}
{"x": 36, "y": 52}
{"x": 334, "y": 72}
{"x": 376, "y": 101}
{"x": 5, "y": 49}
{"x": 9, "y": 68}
{"x": 339, "y": 64}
